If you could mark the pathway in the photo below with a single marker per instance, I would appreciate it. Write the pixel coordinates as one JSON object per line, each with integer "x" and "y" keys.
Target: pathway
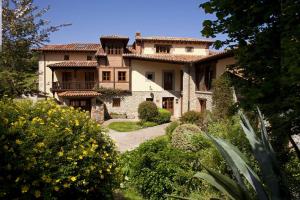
{"x": 127, "y": 141}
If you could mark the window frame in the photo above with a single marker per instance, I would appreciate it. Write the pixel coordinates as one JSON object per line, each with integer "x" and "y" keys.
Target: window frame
{"x": 150, "y": 73}
{"x": 109, "y": 77}
{"x": 116, "y": 104}
{"x": 189, "y": 49}
{"x": 123, "y": 76}
{"x": 66, "y": 57}
{"x": 159, "y": 48}
{"x": 89, "y": 57}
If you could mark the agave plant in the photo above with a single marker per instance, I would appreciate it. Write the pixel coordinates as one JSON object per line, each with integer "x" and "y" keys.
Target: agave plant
{"x": 267, "y": 187}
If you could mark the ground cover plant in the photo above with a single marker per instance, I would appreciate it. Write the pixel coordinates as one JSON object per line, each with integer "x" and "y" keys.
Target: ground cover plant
{"x": 50, "y": 151}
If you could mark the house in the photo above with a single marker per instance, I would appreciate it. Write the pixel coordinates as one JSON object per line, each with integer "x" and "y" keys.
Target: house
{"x": 175, "y": 73}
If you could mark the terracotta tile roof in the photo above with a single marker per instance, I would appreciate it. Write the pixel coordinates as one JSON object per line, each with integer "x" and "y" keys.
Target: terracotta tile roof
{"x": 70, "y": 47}
{"x": 174, "y": 39}
{"x": 74, "y": 64}
{"x": 78, "y": 94}
{"x": 100, "y": 52}
{"x": 164, "y": 57}
{"x": 216, "y": 55}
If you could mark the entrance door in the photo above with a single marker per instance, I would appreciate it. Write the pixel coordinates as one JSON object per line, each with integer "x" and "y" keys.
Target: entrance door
{"x": 168, "y": 104}
{"x": 84, "y": 104}
{"x": 168, "y": 80}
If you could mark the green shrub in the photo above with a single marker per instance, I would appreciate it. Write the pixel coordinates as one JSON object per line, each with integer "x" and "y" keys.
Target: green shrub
{"x": 155, "y": 169}
{"x": 54, "y": 152}
{"x": 147, "y": 111}
{"x": 170, "y": 128}
{"x": 201, "y": 119}
{"x": 182, "y": 137}
{"x": 223, "y": 105}
{"x": 163, "y": 116}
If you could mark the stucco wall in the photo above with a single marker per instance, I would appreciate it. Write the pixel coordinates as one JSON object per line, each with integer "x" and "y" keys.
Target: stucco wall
{"x": 179, "y": 49}
{"x": 222, "y": 64}
{"x": 139, "y": 69}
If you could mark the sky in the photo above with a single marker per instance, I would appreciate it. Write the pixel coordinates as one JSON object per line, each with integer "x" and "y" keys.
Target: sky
{"x": 92, "y": 18}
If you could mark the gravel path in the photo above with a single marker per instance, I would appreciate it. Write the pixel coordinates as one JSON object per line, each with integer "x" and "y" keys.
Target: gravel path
{"x": 127, "y": 141}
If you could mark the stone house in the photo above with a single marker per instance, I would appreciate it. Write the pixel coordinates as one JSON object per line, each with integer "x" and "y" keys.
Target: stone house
{"x": 175, "y": 73}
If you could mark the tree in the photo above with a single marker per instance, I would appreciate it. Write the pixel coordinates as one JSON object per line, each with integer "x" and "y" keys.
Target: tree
{"x": 265, "y": 37}
{"x": 23, "y": 29}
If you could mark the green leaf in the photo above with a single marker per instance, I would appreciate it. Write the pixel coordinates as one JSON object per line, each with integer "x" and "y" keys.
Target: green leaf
{"x": 235, "y": 161}
{"x": 223, "y": 183}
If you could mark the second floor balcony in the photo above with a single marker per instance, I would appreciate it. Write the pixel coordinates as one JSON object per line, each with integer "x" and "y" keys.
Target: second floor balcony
{"x": 71, "y": 85}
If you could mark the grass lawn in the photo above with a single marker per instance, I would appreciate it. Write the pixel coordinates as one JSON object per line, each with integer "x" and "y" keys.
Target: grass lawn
{"x": 129, "y": 126}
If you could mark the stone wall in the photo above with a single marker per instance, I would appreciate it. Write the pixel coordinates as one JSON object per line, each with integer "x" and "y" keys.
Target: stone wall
{"x": 129, "y": 103}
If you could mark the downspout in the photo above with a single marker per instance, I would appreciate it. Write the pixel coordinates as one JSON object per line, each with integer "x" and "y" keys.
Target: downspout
{"x": 189, "y": 86}
{"x": 44, "y": 72}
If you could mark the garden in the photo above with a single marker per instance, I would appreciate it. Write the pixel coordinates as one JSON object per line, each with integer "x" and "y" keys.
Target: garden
{"x": 149, "y": 116}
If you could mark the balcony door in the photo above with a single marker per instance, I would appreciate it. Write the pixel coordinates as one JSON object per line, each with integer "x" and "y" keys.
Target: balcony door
{"x": 66, "y": 80}
{"x": 168, "y": 79}
{"x": 89, "y": 80}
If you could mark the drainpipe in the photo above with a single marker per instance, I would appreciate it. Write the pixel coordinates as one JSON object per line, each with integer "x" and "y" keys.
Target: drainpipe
{"x": 189, "y": 86}
{"x": 44, "y": 72}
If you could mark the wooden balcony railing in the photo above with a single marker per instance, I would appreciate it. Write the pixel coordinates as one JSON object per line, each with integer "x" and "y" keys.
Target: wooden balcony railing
{"x": 70, "y": 85}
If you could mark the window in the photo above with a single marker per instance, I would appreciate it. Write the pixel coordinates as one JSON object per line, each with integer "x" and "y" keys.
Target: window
{"x": 116, "y": 102}
{"x": 168, "y": 80}
{"x": 204, "y": 76}
{"x": 66, "y": 57}
{"x": 150, "y": 76}
{"x": 105, "y": 76}
{"x": 121, "y": 76}
{"x": 89, "y": 57}
{"x": 163, "y": 48}
{"x": 114, "y": 50}
{"x": 189, "y": 49}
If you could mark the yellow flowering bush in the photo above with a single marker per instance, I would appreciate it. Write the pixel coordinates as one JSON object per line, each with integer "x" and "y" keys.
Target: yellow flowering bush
{"x": 51, "y": 151}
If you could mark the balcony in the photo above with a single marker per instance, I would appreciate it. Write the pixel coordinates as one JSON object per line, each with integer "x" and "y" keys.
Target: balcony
{"x": 70, "y": 85}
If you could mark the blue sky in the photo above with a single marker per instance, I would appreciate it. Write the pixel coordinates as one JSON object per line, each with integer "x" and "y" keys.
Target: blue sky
{"x": 92, "y": 18}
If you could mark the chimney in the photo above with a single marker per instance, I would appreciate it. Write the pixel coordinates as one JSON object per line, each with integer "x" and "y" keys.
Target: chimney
{"x": 138, "y": 43}
{"x": 138, "y": 34}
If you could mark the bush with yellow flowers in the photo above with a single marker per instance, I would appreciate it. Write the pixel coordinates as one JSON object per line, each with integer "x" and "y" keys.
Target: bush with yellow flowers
{"x": 54, "y": 152}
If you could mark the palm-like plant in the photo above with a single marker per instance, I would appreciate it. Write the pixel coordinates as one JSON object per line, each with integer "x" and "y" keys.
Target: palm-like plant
{"x": 266, "y": 188}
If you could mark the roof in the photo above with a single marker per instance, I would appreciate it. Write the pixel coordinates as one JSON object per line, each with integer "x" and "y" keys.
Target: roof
{"x": 70, "y": 47}
{"x": 114, "y": 37}
{"x": 215, "y": 56}
{"x": 74, "y": 64}
{"x": 164, "y": 57}
{"x": 175, "y": 39}
{"x": 100, "y": 52}
{"x": 78, "y": 94}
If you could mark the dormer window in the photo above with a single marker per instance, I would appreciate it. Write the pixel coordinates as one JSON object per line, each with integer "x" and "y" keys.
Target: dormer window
{"x": 66, "y": 57}
{"x": 163, "y": 48}
{"x": 189, "y": 49}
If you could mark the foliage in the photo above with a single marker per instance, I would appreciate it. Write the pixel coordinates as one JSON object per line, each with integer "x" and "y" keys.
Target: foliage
{"x": 222, "y": 97}
{"x": 265, "y": 36}
{"x": 130, "y": 126}
{"x": 147, "y": 111}
{"x": 155, "y": 169}
{"x": 163, "y": 116}
{"x": 182, "y": 137}
{"x": 237, "y": 161}
{"x": 109, "y": 92}
{"x": 199, "y": 118}
{"x": 50, "y": 151}
{"x": 170, "y": 128}
{"x": 23, "y": 29}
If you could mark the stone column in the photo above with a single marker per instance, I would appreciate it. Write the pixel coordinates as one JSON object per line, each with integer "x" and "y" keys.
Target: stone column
{"x": 188, "y": 90}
